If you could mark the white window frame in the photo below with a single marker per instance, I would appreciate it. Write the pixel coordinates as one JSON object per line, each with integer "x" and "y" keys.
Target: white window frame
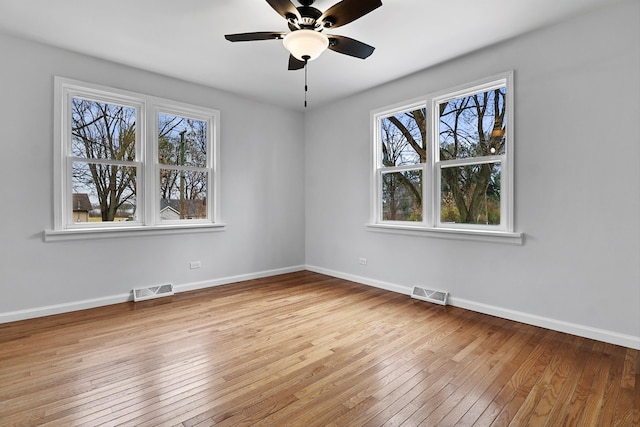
{"x": 431, "y": 170}
{"x": 191, "y": 113}
{"x": 148, "y": 219}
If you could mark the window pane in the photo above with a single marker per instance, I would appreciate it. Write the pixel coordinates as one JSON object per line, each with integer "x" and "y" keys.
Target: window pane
{"x": 103, "y": 193}
{"x": 473, "y": 125}
{"x": 471, "y": 194}
{"x": 403, "y": 138}
{"x": 102, "y": 131}
{"x": 402, "y": 196}
{"x": 182, "y": 141}
{"x": 183, "y": 194}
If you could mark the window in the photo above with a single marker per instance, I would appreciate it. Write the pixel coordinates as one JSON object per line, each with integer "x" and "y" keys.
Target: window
{"x": 127, "y": 161}
{"x": 444, "y": 163}
{"x": 183, "y": 167}
{"x": 103, "y": 162}
{"x": 402, "y": 136}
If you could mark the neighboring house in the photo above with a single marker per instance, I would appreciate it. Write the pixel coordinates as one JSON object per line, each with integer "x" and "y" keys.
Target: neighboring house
{"x": 81, "y": 207}
{"x": 167, "y": 212}
{"x": 193, "y": 209}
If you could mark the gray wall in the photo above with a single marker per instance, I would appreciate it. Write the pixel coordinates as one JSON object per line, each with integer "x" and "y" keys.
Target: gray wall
{"x": 577, "y": 184}
{"x": 262, "y": 176}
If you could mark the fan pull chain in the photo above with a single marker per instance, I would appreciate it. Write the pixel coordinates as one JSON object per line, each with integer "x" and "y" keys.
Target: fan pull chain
{"x": 306, "y": 88}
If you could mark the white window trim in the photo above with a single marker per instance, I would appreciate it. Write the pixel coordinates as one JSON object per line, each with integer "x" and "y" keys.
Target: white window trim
{"x": 149, "y": 222}
{"x": 431, "y": 226}
{"x": 212, "y": 156}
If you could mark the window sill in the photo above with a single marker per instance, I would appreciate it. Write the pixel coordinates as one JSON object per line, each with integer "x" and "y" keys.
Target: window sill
{"x": 140, "y": 231}
{"x": 450, "y": 233}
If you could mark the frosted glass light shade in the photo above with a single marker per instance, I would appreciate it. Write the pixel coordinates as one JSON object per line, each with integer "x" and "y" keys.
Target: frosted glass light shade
{"x": 305, "y": 43}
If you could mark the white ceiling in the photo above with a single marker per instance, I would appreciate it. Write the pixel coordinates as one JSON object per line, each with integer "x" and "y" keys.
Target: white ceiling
{"x": 185, "y": 39}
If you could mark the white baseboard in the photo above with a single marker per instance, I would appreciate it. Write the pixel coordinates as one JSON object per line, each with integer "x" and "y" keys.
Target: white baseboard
{"x": 363, "y": 280}
{"x": 530, "y": 319}
{"x": 239, "y": 278}
{"x": 49, "y": 310}
{"x": 547, "y": 323}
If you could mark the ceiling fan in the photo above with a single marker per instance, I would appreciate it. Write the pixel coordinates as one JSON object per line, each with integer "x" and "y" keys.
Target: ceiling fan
{"x": 306, "y": 41}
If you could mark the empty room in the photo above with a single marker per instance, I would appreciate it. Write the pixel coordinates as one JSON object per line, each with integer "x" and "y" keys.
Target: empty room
{"x": 320, "y": 213}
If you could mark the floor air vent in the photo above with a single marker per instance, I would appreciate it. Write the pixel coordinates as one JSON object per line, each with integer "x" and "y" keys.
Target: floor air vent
{"x": 152, "y": 292}
{"x": 438, "y": 297}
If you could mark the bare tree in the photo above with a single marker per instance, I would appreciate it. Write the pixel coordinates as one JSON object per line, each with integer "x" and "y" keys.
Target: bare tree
{"x": 473, "y": 126}
{"x": 469, "y": 127}
{"x": 182, "y": 143}
{"x": 103, "y": 136}
{"x": 403, "y": 143}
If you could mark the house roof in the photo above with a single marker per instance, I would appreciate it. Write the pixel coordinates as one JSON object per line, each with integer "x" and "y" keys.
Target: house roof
{"x": 409, "y": 35}
{"x": 193, "y": 208}
{"x": 81, "y": 202}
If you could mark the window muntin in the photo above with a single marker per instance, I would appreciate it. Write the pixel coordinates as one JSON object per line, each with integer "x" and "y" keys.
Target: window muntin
{"x": 460, "y": 141}
{"x": 109, "y": 160}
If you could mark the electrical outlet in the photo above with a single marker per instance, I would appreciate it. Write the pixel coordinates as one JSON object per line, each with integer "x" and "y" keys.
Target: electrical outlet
{"x": 195, "y": 264}
{"x": 363, "y": 261}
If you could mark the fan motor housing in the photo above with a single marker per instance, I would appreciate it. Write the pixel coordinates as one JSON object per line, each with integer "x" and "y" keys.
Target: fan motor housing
{"x": 309, "y": 16}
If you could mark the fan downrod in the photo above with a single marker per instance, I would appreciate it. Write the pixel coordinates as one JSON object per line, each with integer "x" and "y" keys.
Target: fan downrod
{"x": 306, "y": 2}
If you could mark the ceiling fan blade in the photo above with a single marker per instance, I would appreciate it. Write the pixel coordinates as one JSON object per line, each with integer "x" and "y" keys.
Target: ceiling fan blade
{"x": 295, "y": 63}
{"x": 285, "y": 8}
{"x": 347, "y": 11}
{"x": 351, "y": 47}
{"x": 261, "y": 35}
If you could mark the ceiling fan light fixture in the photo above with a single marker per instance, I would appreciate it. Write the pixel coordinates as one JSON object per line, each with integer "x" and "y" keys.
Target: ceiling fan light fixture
{"x": 305, "y": 43}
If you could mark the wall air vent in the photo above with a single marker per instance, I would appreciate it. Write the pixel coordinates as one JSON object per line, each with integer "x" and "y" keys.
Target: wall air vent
{"x": 142, "y": 294}
{"x": 438, "y": 297}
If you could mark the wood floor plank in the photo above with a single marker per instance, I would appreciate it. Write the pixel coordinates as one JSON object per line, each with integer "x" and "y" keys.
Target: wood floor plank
{"x": 435, "y": 405}
{"x": 540, "y": 395}
{"x": 514, "y": 390}
{"x": 476, "y": 384}
{"x": 563, "y": 387}
{"x": 582, "y": 394}
{"x": 613, "y": 385}
{"x": 489, "y": 396}
{"x": 395, "y": 396}
{"x": 306, "y": 349}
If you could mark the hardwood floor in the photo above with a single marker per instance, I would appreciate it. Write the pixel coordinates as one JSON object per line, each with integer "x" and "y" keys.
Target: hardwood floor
{"x": 305, "y": 349}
